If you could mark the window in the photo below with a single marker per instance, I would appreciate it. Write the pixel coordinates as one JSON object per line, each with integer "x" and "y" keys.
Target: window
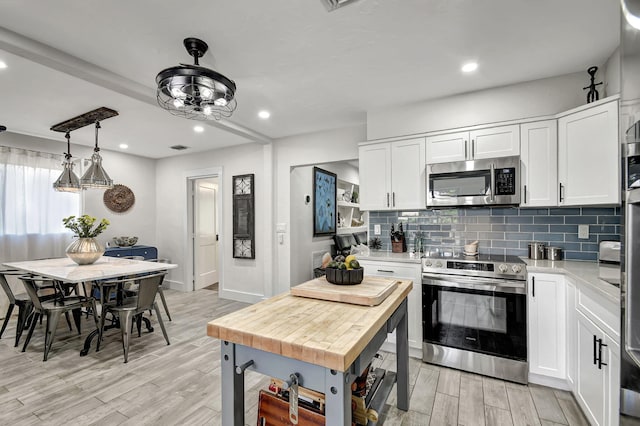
{"x": 29, "y": 203}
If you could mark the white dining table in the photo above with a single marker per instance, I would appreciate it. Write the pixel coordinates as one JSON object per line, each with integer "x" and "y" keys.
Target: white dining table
{"x": 66, "y": 270}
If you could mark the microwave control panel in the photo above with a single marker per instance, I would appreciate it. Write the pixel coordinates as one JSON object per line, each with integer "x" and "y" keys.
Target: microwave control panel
{"x": 505, "y": 181}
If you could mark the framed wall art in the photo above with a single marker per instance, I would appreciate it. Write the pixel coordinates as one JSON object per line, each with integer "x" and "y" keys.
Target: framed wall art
{"x": 244, "y": 246}
{"x": 324, "y": 202}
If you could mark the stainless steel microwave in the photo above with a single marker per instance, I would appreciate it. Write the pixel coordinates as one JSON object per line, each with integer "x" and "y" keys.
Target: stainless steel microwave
{"x": 486, "y": 182}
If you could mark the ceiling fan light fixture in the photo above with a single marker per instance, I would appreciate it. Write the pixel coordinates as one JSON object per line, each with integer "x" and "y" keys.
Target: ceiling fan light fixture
{"x": 195, "y": 92}
{"x": 68, "y": 180}
{"x": 96, "y": 176}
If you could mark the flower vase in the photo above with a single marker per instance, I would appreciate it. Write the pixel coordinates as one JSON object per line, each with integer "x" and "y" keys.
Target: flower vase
{"x": 85, "y": 251}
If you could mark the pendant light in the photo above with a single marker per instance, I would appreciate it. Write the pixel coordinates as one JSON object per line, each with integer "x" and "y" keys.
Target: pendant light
{"x": 68, "y": 180}
{"x": 96, "y": 176}
{"x": 196, "y": 92}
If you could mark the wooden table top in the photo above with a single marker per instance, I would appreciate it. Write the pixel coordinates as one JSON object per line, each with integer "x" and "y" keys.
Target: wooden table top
{"x": 67, "y": 270}
{"x": 329, "y": 334}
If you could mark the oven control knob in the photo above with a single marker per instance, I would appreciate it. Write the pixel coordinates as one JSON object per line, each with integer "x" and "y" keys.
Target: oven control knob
{"x": 427, "y": 262}
{"x": 503, "y": 268}
{"x": 438, "y": 264}
{"x": 516, "y": 269}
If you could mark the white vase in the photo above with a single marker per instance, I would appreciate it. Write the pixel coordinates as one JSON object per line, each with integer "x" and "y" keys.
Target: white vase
{"x": 85, "y": 251}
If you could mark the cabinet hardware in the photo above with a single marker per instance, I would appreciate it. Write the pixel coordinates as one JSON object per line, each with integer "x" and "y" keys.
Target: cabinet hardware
{"x": 533, "y": 287}
{"x": 386, "y": 270}
{"x": 473, "y": 144}
{"x": 388, "y": 200}
{"x": 560, "y": 194}
{"x": 240, "y": 368}
{"x": 595, "y": 356}
{"x": 393, "y": 198}
{"x": 466, "y": 143}
{"x": 525, "y": 194}
{"x": 600, "y": 345}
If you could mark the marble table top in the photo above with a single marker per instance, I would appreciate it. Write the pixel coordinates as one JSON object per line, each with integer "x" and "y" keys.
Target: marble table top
{"x": 66, "y": 270}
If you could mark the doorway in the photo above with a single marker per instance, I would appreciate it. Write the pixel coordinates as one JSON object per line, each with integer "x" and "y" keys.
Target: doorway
{"x": 206, "y": 225}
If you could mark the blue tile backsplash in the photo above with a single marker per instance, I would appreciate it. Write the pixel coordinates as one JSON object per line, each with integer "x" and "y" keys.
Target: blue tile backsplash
{"x": 501, "y": 230}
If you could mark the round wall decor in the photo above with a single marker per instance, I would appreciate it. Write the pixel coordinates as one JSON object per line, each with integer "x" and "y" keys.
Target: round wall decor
{"x": 118, "y": 199}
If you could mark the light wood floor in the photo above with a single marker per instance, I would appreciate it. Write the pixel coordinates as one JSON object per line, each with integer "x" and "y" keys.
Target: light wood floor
{"x": 180, "y": 384}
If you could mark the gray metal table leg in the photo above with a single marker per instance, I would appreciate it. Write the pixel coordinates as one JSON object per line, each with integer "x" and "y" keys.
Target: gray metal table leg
{"x": 402, "y": 361}
{"x": 337, "y": 398}
{"x": 233, "y": 391}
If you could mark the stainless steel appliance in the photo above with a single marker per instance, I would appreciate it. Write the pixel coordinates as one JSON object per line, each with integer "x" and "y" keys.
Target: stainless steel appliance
{"x": 609, "y": 252}
{"x": 494, "y": 181}
{"x": 474, "y": 314}
{"x": 630, "y": 262}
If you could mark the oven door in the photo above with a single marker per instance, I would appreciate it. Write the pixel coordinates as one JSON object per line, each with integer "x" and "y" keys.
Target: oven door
{"x": 475, "y": 314}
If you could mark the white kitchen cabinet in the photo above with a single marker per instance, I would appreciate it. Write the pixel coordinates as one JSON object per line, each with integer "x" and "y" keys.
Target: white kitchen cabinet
{"x": 539, "y": 161}
{"x": 572, "y": 333}
{"x": 547, "y": 325}
{"x": 392, "y": 175}
{"x": 501, "y": 141}
{"x": 406, "y": 271}
{"x": 588, "y": 156}
{"x": 350, "y": 218}
{"x": 598, "y": 370}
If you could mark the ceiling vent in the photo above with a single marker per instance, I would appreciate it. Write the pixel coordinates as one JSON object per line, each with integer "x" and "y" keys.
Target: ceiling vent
{"x": 334, "y": 4}
{"x": 179, "y": 147}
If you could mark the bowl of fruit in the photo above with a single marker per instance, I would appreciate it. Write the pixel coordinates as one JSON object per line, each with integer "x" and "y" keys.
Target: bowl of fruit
{"x": 344, "y": 271}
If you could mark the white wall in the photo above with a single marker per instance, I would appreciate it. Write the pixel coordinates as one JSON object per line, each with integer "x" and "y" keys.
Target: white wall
{"x": 303, "y": 243}
{"x": 530, "y": 99}
{"x": 610, "y": 76}
{"x": 137, "y": 173}
{"x": 240, "y": 279}
{"x": 304, "y": 150}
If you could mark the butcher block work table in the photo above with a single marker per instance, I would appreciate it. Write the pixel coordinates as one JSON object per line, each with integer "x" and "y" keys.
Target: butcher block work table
{"x": 327, "y": 344}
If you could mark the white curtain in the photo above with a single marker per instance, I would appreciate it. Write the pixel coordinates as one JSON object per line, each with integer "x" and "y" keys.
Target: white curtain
{"x": 31, "y": 211}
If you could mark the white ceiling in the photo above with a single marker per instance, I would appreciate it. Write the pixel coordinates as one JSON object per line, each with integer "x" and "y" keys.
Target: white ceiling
{"x": 312, "y": 69}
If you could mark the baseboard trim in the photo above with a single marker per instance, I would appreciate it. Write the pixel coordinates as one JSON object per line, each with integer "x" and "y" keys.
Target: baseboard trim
{"x": 391, "y": 347}
{"x": 551, "y": 382}
{"x": 240, "y": 296}
{"x": 175, "y": 285}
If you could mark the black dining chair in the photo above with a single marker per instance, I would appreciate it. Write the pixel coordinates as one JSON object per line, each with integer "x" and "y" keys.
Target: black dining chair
{"x": 132, "y": 308}
{"x": 52, "y": 309}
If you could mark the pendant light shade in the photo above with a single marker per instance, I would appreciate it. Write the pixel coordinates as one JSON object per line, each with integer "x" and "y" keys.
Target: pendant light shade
{"x": 68, "y": 180}
{"x": 196, "y": 92}
{"x": 96, "y": 176}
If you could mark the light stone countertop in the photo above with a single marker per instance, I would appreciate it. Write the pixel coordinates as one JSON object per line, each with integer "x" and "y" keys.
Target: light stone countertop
{"x": 388, "y": 256}
{"x": 590, "y": 274}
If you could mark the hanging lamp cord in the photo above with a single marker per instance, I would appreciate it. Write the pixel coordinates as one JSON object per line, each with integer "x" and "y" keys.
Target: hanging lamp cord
{"x": 96, "y": 149}
{"x": 67, "y": 155}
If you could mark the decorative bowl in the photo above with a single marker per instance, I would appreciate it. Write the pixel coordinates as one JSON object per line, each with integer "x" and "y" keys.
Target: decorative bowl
{"x": 125, "y": 241}
{"x": 345, "y": 276}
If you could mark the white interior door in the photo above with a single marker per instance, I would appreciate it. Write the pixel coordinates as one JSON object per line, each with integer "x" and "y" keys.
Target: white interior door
{"x": 205, "y": 232}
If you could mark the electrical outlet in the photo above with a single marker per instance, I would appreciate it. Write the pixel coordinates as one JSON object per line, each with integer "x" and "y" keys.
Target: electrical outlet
{"x": 583, "y": 232}
{"x": 376, "y": 229}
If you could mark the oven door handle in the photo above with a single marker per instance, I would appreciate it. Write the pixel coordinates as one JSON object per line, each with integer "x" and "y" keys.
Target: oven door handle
{"x": 484, "y": 284}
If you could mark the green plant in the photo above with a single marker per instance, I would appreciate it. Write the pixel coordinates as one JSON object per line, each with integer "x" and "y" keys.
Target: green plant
{"x": 82, "y": 226}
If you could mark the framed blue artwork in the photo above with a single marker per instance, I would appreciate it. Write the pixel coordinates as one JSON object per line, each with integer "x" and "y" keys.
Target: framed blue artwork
{"x": 324, "y": 202}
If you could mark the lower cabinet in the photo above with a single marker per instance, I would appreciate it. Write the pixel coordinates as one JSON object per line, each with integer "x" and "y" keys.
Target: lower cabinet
{"x": 407, "y": 271}
{"x": 598, "y": 373}
{"x": 547, "y": 319}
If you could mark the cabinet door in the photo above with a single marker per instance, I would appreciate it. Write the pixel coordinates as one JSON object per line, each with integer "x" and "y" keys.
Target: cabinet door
{"x": 611, "y": 356}
{"x": 375, "y": 176}
{"x": 408, "y": 164}
{"x": 449, "y": 147}
{"x": 409, "y": 272}
{"x": 588, "y": 162}
{"x": 539, "y": 155}
{"x": 572, "y": 332}
{"x": 547, "y": 325}
{"x": 591, "y": 380}
{"x": 502, "y": 141}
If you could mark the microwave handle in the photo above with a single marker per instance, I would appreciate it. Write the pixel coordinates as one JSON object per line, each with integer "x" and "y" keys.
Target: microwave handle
{"x": 493, "y": 183}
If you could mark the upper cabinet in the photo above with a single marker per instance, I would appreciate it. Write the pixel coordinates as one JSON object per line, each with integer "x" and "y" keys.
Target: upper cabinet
{"x": 501, "y": 141}
{"x": 539, "y": 158}
{"x": 588, "y": 156}
{"x": 392, "y": 175}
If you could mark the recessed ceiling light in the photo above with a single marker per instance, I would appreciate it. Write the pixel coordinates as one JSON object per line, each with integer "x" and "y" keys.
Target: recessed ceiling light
{"x": 470, "y": 67}
{"x": 3, "y": 65}
{"x": 264, "y": 114}
{"x": 124, "y": 146}
{"x": 198, "y": 129}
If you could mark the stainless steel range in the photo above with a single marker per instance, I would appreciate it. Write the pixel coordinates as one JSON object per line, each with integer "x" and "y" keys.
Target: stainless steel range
{"x": 474, "y": 314}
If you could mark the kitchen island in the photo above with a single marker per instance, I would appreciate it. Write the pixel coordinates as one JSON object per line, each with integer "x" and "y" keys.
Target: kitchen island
{"x": 327, "y": 344}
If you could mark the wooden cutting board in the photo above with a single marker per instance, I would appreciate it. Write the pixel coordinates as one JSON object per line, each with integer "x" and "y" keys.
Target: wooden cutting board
{"x": 370, "y": 292}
